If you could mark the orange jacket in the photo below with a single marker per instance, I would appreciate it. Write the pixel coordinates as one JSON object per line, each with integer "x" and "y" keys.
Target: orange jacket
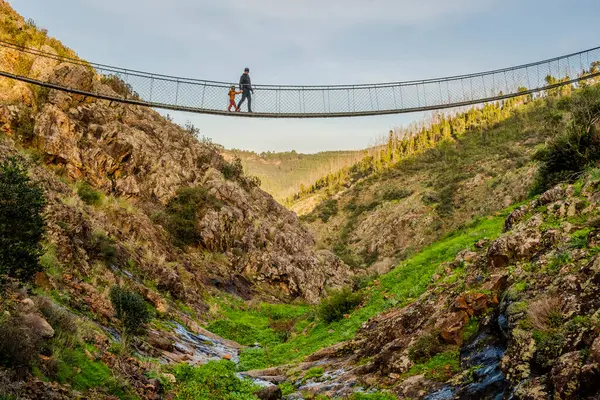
{"x": 232, "y": 94}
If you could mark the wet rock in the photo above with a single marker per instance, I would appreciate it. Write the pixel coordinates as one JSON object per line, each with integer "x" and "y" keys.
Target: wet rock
{"x": 269, "y": 393}
{"x": 160, "y": 341}
{"x": 38, "y": 325}
{"x": 565, "y": 376}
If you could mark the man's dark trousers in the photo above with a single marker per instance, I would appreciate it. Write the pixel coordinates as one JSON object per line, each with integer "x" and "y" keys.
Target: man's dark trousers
{"x": 246, "y": 95}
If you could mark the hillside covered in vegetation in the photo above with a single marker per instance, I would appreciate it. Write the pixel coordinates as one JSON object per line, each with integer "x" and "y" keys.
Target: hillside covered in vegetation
{"x": 284, "y": 174}
{"x": 423, "y": 186}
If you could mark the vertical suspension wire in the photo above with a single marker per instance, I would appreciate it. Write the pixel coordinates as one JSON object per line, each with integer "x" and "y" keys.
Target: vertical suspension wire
{"x": 472, "y": 91}
{"x": 401, "y": 97}
{"x": 151, "y": 88}
{"x": 484, "y": 87}
{"x": 348, "y": 94}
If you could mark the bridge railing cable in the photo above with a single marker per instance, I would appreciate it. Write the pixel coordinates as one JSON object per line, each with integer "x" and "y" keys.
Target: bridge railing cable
{"x": 293, "y": 101}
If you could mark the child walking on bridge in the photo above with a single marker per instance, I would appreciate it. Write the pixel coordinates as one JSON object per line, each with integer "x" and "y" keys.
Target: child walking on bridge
{"x": 231, "y": 95}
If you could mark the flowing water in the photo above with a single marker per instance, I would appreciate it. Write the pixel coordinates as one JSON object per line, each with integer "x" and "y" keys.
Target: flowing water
{"x": 483, "y": 355}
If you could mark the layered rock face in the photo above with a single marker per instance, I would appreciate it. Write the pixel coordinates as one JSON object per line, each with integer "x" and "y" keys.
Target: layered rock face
{"x": 134, "y": 153}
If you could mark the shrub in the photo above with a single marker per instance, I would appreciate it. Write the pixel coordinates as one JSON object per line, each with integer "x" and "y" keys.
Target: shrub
{"x": 105, "y": 248}
{"x": 327, "y": 209}
{"x": 215, "y": 380}
{"x": 23, "y": 126}
{"x": 568, "y": 154}
{"x": 131, "y": 309}
{"x": 191, "y": 129}
{"x": 182, "y": 212}
{"x": 426, "y": 347}
{"x": 20, "y": 345}
{"x": 21, "y": 222}
{"x": 547, "y": 312}
{"x": 287, "y": 388}
{"x": 283, "y": 328}
{"x": 549, "y": 345}
{"x": 313, "y": 373}
{"x": 88, "y": 194}
{"x": 392, "y": 194}
{"x": 557, "y": 262}
{"x": 337, "y": 304}
{"x": 233, "y": 170}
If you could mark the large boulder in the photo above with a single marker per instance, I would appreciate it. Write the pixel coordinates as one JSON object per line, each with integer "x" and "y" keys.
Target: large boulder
{"x": 38, "y": 325}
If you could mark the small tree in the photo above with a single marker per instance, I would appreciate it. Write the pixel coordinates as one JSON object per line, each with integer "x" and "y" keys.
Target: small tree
{"x": 339, "y": 303}
{"x": 131, "y": 309}
{"x": 21, "y": 222}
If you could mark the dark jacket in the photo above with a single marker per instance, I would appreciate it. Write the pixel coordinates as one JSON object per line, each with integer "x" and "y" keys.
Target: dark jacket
{"x": 245, "y": 83}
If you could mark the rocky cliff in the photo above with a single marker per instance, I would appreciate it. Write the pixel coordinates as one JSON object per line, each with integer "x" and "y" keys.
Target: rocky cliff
{"x": 134, "y": 154}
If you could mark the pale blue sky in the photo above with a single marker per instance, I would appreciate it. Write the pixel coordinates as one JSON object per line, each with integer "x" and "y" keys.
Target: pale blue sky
{"x": 315, "y": 42}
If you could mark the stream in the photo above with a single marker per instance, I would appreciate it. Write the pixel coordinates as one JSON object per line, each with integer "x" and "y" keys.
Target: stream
{"x": 483, "y": 354}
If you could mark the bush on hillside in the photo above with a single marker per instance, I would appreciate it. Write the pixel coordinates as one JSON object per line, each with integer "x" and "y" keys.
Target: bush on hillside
{"x": 425, "y": 347}
{"x": 131, "y": 309}
{"x": 567, "y": 155}
{"x": 20, "y": 345}
{"x": 215, "y": 380}
{"x": 105, "y": 248}
{"x": 23, "y": 126}
{"x": 337, "y": 304}
{"x": 21, "y": 222}
{"x": 183, "y": 211}
{"x": 88, "y": 194}
{"x": 233, "y": 170}
{"x": 327, "y": 209}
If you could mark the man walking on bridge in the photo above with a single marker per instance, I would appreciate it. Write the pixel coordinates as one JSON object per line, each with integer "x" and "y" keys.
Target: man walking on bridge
{"x": 246, "y": 88}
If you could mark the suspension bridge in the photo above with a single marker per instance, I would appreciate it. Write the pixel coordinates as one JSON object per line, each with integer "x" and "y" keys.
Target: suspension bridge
{"x": 290, "y": 101}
